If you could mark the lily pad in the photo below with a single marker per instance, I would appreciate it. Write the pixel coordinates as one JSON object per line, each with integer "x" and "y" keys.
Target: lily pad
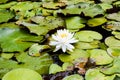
{"x": 53, "y": 5}
{"x": 88, "y": 36}
{"x": 100, "y": 57}
{"x": 116, "y": 34}
{"x": 112, "y": 42}
{"x": 77, "y": 53}
{"x": 114, "y": 16}
{"x": 7, "y": 5}
{"x": 3, "y": 1}
{"x": 36, "y": 49}
{"x": 73, "y": 77}
{"x": 93, "y": 11}
{"x": 106, "y": 6}
{"x": 87, "y": 45}
{"x": 114, "y": 69}
{"x": 16, "y": 39}
{"x": 24, "y": 74}
{"x": 5, "y": 15}
{"x": 93, "y": 74}
{"x": 54, "y": 68}
{"x": 114, "y": 51}
{"x": 96, "y": 21}
{"x": 7, "y": 55}
{"x": 75, "y": 23}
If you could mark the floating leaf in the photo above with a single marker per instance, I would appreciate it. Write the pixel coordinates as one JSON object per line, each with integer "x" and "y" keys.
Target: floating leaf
{"x": 77, "y": 53}
{"x": 114, "y": 16}
{"x": 22, "y": 6}
{"x": 88, "y": 36}
{"x": 100, "y": 57}
{"x": 112, "y": 25}
{"x": 96, "y": 21}
{"x": 87, "y": 45}
{"x": 114, "y": 51}
{"x": 24, "y": 74}
{"x": 93, "y": 74}
{"x": 7, "y": 5}
{"x": 12, "y": 38}
{"x": 52, "y": 5}
{"x": 112, "y": 42}
{"x": 93, "y": 11}
{"x": 36, "y": 49}
{"x": 73, "y": 77}
{"x": 5, "y": 15}
{"x": 106, "y": 6}
{"x": 67, "y": 66}
{"x": 40, "y": 64}
{"x": 106, "y": 1}
{"x": 3, "y": 1}
{"x": 114, "y": 69}
{"x": 116, "y": 34}
{"x": 7, "y": 55}
{"x": 75, "y": 23}
{"x": 54, "y": 68}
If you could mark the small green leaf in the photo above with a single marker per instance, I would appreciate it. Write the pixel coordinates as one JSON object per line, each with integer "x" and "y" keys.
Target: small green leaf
{"x": 67, "y": 66}
{"x": 87, "y": 45}
{"x": 96, "y": 21}
{"x": 93, "y": 11}
{"x": 36, "y": 49}
{"x": 114, "y": 51}
{"x": 112, "y": 42}
{"x": 8, "y": 5}
{"x": 3, "y": 1}
{"x": 114, "y": 16}
{"x": 88, "y": 36}
{"x": 5, "y": 15}
{"x": 77, "y": 53}
{"x": 93, "y": 74}
{"x": 73, "y": 77}
{"x": 54, "y": 68}
{"x": 106, "y": 6}
{"x": 75, "y": 23}
{"x": 100, "y": 57}
{"x": 7, "y": 55}
{"x": 114, "y": 69}
{"x": 24, "y": 74}
{"x": 12, "y": 38}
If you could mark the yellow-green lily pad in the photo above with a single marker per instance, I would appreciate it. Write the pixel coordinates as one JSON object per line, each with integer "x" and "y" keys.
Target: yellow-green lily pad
{"x": 88, "y": 36}
{"x": 73, "y": 77}
{"x": 22, "y": 74}
{"x": 100, "y": 57}
{"x": 96, "y": 21}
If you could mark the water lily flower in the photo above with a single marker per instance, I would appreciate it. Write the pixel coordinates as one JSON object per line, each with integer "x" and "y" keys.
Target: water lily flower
{"x": 63, "y": 39}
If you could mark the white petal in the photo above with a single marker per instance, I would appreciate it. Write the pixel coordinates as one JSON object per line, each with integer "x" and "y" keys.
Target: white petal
{"x": 70, "y": 46}
{"x": 57, "y": 47}
{"x": 73, "y": 40}
{"x": 53, "y": 43}
{"x": 63, "y": 48}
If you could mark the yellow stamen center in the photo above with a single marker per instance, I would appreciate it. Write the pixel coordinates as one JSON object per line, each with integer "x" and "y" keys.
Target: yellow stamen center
{"x": 63, "y": 35}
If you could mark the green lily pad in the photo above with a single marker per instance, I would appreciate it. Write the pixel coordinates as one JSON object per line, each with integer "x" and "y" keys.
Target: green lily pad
{"x": 100, "y": 57}
{"x": 3, "y": 1}
{"x": 12, "y": 38}
{"x": 24, "y": 74}
{"x": 40, "y": 64}
{"x": 114, "y": 16}
{"x": 5, "y": 15}
{"x": 36, "y": 49}
{"x": 93, "y": 11}
{"x": 73, "y": 77}
{"x": 88, "y": 36}
{"x": 22, "y": 6}
{"x": 106, "y": 6}
{"x": 7, "y": 5}
{"x": 112, "y": 25}
{"x": 54, "y": 68}
{"x": 114, "y": 69}
{"x": 96, "y": 21}
{"x": 52, "y": 5}
{"x": 67, "y": 66}
{"x": 87, "y": 45}
{"x": 117, "y": 4}
{"x": 114, "y": 51}
{"x": 93, "y": 74}
{"x": 75, "y": 23}
{"x": 106, "y": 1}
{"x": 112, "y": 42}
{"x": 77, "y": 53}
{"x": 7, "y": 55}
{"x": 116, "y": 34}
